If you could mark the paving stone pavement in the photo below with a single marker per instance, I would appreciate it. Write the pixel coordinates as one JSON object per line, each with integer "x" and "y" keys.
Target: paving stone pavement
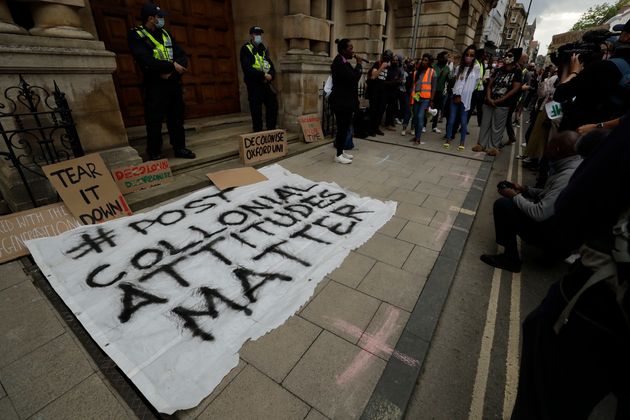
{"x": 326, "y": 360}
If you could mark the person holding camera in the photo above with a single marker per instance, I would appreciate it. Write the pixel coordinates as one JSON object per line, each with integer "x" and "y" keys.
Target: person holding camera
{"x": 599, "y": 95}
{"x": 377, "y": 91}
{"x": 527, "y": 211}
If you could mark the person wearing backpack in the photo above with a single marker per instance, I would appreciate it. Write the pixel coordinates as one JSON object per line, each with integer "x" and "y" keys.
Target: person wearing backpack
{"x": 601, "y": 89}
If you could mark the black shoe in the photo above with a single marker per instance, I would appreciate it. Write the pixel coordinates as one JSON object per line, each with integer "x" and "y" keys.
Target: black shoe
{"x": 371, "y": 134}
{"x": 379, "y": 132}
{"x": 155, "y": 156}
{"x": 503, "y": 262}
{"x": 185, "y": 154}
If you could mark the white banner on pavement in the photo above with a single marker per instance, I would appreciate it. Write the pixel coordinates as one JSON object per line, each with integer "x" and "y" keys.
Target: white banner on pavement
{"x": 171, "y": 295}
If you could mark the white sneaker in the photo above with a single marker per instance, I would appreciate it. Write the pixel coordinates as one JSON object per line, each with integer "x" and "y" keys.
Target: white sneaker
{"x": 523, "y": 144}
{"x": 403, "y": 133}
{"x": 412, "y": 132}
{"x": 437, "y": 130}
{"x": 347, "y": 155}
{"x": 424, "y": 129}
{"x": 342, "y": 159}
{"x": 398, "y": 121}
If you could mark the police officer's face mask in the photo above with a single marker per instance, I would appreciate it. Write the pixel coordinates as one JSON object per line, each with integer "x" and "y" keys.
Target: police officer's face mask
{"x": 257, "y": 39}
{"x": 160, "y": 23}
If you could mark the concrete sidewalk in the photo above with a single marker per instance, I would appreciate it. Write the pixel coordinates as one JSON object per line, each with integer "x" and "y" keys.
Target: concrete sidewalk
{"x": 326, "y": 360}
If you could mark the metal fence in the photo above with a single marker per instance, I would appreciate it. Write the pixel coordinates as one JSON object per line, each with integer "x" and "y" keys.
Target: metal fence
{"x": 37, "y": 128}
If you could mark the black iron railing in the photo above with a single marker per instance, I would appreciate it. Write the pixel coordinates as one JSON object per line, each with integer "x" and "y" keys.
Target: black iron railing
{"x": 37, "y": 128}
{"x": 329, "y": 126}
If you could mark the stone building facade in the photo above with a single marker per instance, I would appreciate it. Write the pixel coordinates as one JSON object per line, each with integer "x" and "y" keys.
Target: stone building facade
{"x": 81, "y": 44}
{"x": 515, "y": 21}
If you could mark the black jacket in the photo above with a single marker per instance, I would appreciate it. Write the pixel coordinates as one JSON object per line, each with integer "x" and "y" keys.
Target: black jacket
{"x": 592, "y": 89}
{"x": 345, "y": 93}
{"x": 142, "y": 51}
{"x": 252, "y": 76}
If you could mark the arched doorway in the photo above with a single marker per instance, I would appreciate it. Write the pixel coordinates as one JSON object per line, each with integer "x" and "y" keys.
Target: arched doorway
{"x": 205, "y": 30}
{"x": 462, "y": 27}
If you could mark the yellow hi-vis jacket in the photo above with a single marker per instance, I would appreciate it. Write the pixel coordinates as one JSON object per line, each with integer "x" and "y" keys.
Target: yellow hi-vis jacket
{"x": 160, "y": 51}
{"x": 260, "y": 62}
{"x": 425, "y": 86}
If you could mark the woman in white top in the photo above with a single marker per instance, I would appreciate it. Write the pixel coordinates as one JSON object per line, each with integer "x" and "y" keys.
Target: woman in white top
{"x": 466, "y": 76}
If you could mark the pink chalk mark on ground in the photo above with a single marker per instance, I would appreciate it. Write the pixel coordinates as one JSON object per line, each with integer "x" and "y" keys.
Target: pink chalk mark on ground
{"x": 373, "y": 343}
{"x": 444, "y": 227}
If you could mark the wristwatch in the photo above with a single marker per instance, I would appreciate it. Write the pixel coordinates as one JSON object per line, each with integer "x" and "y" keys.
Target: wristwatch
{"x": 600, "y": 125}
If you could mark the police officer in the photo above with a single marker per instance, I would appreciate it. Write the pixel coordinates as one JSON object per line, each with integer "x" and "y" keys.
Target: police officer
{"x": 162, "y": 62}
{"x": 259, "y": 72}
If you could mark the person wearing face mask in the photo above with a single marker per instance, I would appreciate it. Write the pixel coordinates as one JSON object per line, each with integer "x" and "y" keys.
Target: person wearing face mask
{"x": 162, "y": 62}
{"x": 500, "y": 97}
{"x": 424, "y": 84}
{"x": 259, "y": 72}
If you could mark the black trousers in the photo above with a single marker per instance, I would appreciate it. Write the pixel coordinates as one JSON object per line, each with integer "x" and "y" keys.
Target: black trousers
{"x": 565, "y": 375}
{"x": 344, "y": 119}
{"x": 391, "y": 100}
{"x": 476, "y": 102}
{"x": 438, "y": 103}
{"x": 510, "y": 221}
{"x": 509, "y": 128}
{"x": 258, "y": 96}
{"x": 164, "y": 101}
{"x": 377, "y": 108}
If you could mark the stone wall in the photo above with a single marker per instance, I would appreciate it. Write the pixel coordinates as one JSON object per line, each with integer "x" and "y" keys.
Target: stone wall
{"x": 58, "y": 48}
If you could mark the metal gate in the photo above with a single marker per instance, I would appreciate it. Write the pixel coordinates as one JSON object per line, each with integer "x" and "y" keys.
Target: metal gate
{"x": 37, "y": 128}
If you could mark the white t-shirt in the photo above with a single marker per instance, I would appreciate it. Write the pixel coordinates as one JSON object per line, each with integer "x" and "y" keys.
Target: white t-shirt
{"x": 465, "y": 83}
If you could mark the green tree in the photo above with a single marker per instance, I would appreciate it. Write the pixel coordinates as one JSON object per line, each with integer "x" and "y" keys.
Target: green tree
{"x": 599, "y": 14}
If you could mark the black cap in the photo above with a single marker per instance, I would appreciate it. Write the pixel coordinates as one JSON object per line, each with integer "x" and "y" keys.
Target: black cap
{"x": 256, "y": 30}
{"x": 151, "y": 9}
{"x": 621, "y": 27}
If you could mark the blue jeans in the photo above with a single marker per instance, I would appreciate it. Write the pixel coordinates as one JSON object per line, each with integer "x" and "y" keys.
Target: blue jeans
{"x": 419, "y": 108}
{"x": 463, "y": 121}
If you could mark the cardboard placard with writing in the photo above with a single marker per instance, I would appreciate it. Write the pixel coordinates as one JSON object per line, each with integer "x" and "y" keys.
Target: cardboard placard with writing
{"x": 140, "y": 177}
{"x": 263, "y": 146}
{"x": 311, "y": 128}
{"x": 235, "y": 177}
{"x": 41, "y": 222}
{"x": 88, "y": 189}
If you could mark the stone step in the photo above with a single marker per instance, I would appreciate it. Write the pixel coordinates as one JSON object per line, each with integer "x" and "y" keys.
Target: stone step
{"x": 194, "y": 177}
{"x": 139, "y": 133}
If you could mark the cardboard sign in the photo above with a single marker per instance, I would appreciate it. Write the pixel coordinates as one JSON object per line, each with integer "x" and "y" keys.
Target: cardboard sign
{"x": 140, "y": 177}
{"x": 88, "y": 189}
{"x": 263, "y": 146}
{"x": 311, "y": 127}
{"x": 235, "y": 177}
{"x": 554, "y": 110}
{"x": 41, "y": 222}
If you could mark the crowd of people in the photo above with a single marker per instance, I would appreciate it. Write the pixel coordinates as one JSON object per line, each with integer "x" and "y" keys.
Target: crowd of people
{"x": 577, "y": 341}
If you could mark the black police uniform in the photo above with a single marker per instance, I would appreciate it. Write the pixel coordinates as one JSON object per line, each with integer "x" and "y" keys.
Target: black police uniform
{"x": 259, "y": 91}
{"x": 163, "y": 96}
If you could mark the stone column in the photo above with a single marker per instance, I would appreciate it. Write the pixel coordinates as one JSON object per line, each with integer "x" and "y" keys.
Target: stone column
{"x": 299, "y": 8}
{"x": 318, "y": 10}
{"x": 7, "y": 25}
{"x": 57, "y": 18}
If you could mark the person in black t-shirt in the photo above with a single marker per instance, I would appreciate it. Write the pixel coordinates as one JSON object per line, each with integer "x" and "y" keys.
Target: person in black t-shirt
{"x": 500, "y": 97}
{"x": 376, "y": 91}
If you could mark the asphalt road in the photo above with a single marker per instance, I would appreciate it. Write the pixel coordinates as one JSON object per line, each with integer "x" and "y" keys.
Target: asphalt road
{"x": 471, "y": 370}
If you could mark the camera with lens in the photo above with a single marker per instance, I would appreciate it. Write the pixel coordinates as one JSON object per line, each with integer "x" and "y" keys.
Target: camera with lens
{"x": 504, "y": 185}
{"x": 589, "y": 49}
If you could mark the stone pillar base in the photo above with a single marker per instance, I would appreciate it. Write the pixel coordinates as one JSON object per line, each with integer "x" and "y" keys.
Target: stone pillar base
{"x": 10, "y": 28}
{"x": 120, "y": 156}
{"x": 61, "y": 32}
{"x": 302, "y": 78}
{"x": 15, "y": 194}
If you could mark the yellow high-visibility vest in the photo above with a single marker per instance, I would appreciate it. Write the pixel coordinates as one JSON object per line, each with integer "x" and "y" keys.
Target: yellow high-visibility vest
{"x": 160, "y": 51}
{"x": 425, "y": 86}
{"x": 260, "y": 62}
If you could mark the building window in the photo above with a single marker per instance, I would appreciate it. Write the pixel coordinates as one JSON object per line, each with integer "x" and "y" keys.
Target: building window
{"x": 513, "y": 18}
{"x": 509, "y": 33}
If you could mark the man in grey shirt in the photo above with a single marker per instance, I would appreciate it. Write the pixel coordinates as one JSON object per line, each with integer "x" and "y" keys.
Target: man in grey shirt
{"x": 528, "y": 212}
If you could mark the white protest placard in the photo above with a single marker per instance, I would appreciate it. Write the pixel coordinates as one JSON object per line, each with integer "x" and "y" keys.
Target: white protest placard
{"x": 171, "y": 295}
